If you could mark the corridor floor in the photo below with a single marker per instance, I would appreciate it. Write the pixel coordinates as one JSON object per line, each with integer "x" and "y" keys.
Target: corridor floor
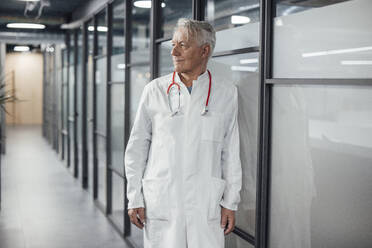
{"x": 43, "y": 206}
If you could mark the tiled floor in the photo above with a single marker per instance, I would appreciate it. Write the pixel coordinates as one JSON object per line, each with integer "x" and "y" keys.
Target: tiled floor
{"x": 43, "y": 206}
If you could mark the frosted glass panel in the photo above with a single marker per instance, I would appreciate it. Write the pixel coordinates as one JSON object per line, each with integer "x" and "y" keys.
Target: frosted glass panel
{"x": 140, "y": 76}
{"x": 234, "y": 241}
{"x": 242, "y": 71}
{"x": 101, "y": 88}
{"x": 117, "y": 127}
{"x": 101, "y": 157}
{"x": 118, "y": 68}
{"x": 329, "y": 42}
{"x": 321, "y": 167}
{"x": 165, "y": 58}
{"x": 118, "y": 201}
{"x": 226, "y": 14}
{"x": 171, "y": 11}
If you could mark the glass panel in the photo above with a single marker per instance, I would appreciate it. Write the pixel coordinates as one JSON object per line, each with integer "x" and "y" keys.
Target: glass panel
{"x": 140, "y": 76}
{"x": 136, "y": 236}
{"x": 91, "y": 37}
{"x": 101, "y": 88}
{"x": 118, "y": 68}
{"x": 79, "y": 105}
{"x": 102, "y": 32}
{"x": 72, "y": 151}
{"x": 321, "y": 167}
{"x": 90, "y": 108}
{"x": 328, "y": 42}
{"x": 242, "y": 70}
{"x": 234, "y": 241}
{"x": 72, "y": 48}
{"x": 226, "y": 14}
{"x": 118, "y": 38}
{"x": 117, "y": 127}
{"x": 172, "y": 10}
{"x": 236, "y": 23}
{"x": 165, "y": 58}
{"x": 65, "y": 110}
{"x": 140, "y": 35}
{"x": 101, "y": 157}
{"x": 288, "y": 7}
{"x": 118, "y": 201}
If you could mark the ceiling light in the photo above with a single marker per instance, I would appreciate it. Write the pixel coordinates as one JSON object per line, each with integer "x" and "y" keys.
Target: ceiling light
{"x": 99, "y": 28}
{"x": 145, "y": 4}
{"x": 356, "y": 62}
{"x": 26, "y": 25}
{"x": 339, "y": 51}
{"x": 21, "y": 48}
{"x": 249, "y": 61}
{"x": 121, "y": 66}
{"x": 235, "y": 19}
{"x": 244, "y": 68}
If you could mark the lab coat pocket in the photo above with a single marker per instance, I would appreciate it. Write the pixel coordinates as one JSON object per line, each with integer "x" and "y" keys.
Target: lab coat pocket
{"x": 217, "y": 187}
{"x": 212, "y": 127}
{"x": 156, "y": 196}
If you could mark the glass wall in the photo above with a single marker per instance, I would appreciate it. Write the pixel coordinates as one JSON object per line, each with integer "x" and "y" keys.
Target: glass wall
{"x": 320, "y": 162}
{"x": 90, "y": 95}
{"x": 101, "y": 105}
{"x": 79, "y": 103}
{"x": 340, "y": 43}
{"x": 71, "y": 97}
{"x": 321, "y": 193}
{"x": 171, "y": 11}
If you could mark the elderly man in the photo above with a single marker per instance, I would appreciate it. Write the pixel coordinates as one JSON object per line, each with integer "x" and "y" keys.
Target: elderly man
{"x": 182, "y": 160}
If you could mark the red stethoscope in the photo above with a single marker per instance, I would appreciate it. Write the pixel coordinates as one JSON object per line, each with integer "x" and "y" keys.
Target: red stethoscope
{"x": 177, "y": 110}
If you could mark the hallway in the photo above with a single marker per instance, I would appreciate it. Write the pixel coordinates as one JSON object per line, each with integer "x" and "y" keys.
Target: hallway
{"x": 42, "y": 205}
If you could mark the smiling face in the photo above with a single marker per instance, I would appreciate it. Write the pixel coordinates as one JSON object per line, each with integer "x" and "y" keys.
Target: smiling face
{"x": 188, "y": 56}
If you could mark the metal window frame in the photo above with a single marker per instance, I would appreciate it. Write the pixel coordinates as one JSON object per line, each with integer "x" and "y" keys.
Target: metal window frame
{"x": 128, "y": 48}
{"x": 76, "y": 150}
{"x": 108, "y": 110}
{"x": 94, "y": 102}
{"x": 84, "y": 155}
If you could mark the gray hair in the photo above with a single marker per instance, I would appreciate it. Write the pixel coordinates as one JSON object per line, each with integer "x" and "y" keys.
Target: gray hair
{"x": 203, "y": 31}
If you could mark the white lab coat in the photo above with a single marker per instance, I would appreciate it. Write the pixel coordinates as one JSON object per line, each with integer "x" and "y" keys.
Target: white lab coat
{"x": 183, "y": 168}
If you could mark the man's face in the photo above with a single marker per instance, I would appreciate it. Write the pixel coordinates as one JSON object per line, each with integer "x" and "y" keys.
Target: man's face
{"x": 186, "y": 53}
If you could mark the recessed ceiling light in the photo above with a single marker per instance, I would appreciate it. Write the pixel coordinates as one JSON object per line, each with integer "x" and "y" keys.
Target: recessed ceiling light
{"x": 236, "y": 19}
{"x": 145, "y": 4}
{"x": 26, "y": 25}
{"x": 21, "y": 48}
{"x": 249, "y": 61}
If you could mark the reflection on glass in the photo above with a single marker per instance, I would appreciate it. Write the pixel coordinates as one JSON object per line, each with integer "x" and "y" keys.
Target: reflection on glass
{"x": 101, "y": 95}
{"x": 140, "y": 76}
{"x": 72, "y": 48}
{"x": 165, "y": 58}
{"x": 101, "y": 157}
{"x": 117, "y": 127}
{"x": 321, "y": 167}
{"x": 118, "y": 68}
{"x": 118, "y": 38}
{"x": 242, "y": 70}
{"x": 315, "y": 47}
{"x": 140, "y": 35}
{"x": 118, "y": 201}
{"x": 227, "y": 14}
{"x": 101, "y": 32}
{"x": 171, "y": 11}
{"x": 285, "y": 7}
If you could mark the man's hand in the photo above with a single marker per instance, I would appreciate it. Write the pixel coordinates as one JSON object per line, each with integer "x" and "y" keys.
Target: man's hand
{"x": 227, "y": 220}
{"x": 137, "y": 216}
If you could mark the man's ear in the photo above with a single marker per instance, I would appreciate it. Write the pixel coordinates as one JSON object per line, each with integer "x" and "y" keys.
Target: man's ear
{"x": 206, "y": 49}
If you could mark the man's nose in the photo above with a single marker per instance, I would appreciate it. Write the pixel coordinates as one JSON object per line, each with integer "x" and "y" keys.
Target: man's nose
{"x": 174, "y": 51}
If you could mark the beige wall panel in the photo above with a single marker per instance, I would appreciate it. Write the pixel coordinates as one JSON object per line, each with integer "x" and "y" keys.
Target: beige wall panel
{"x": 28, "y": 81}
